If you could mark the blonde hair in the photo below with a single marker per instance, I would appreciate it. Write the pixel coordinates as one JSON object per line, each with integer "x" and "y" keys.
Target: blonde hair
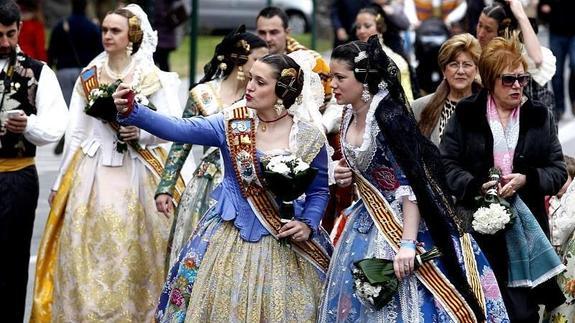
{"x": 462, "y": 43}
{"x": 499, "y": 54}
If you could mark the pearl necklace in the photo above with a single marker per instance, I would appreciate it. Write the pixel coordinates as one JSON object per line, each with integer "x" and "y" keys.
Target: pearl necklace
{"x": 121, "y": 75}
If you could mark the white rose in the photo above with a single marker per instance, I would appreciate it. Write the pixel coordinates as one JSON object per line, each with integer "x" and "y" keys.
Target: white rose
{"x": 279, "y": 168}
{"x": 300, "y": 167}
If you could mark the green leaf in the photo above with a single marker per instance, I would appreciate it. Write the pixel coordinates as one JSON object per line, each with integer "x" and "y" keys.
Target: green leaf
{"x": 376, "y": 270}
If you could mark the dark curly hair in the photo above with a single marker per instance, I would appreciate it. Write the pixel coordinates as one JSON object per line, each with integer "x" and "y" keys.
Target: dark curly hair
{"x": 232, "y": 51}
{"x": 289, "y": 77}
{"x": 9, "y": 13}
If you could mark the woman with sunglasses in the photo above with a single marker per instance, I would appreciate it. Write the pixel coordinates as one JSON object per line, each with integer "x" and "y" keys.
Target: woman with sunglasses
{"x": 505, "y": 17}
{"x": 500, "y": 127}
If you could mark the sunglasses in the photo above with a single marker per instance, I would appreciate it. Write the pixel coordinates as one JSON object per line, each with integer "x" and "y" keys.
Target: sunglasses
{"x": 509, "y": 79}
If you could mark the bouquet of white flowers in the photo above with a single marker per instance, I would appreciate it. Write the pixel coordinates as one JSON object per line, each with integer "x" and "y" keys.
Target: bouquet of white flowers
{"x": 494, "y": 213}
{"x": 101, "y": 106}
{"x": 100, "y": 102}
{"x": 287, "y": 177}
{"x": 374, "y": 279}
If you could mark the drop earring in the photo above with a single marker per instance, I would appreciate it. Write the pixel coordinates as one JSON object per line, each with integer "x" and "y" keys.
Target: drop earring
{"x": 129, "y": 49}
{"x": 241, "y": 76}
{"x": 365, "y": 95}
{"x": 279, "y": 106}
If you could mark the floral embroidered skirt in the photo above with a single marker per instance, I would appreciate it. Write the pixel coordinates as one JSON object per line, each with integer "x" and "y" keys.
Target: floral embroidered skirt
{"x": 222, "y": 278}
{"x": 195, "y": 201}
{"x": 361, "y": 239}
{"x": 565, "y": 313}
{"x": 112, "y": 245}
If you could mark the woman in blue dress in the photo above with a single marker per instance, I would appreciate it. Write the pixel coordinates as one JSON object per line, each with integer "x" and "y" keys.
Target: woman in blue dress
{"x": 233, "y": 268}
{"x": 397, "y": 172}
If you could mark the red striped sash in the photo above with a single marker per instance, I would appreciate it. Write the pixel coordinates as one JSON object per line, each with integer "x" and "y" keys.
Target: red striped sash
{"x": 429, "y": 274}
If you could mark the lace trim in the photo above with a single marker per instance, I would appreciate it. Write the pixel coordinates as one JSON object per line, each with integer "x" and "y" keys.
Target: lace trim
{"x": 361, "y": 157}
{"x": 405, "y": 190}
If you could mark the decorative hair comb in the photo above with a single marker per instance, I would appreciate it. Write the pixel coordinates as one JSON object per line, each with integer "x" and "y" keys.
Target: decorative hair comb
{"x": 293, "y": 74}
{"x": 135, "y": 33}
{"x": 360, "y": 56}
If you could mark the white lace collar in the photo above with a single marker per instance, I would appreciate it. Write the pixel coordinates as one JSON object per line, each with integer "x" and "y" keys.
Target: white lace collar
{"x": 368, "y": 136}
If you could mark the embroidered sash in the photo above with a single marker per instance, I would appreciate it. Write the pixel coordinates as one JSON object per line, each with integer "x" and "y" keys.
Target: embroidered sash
{"x": 429, "y": 274}
{"x": 206, "y": 97}
{"x": 241, "y": 141}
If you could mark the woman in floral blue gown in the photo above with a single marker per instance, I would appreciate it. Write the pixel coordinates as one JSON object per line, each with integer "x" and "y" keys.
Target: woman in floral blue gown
{"x": 395, "y": 167}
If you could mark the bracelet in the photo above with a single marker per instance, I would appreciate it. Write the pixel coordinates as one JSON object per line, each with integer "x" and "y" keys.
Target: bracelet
{"x": 409, "y": 244}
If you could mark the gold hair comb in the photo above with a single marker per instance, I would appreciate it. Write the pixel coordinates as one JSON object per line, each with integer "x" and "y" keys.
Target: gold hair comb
{"x": 289, "y": 72}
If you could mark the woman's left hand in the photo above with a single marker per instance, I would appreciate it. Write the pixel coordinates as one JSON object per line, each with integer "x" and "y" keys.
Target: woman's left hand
{"x": 129, "y": 133}
{"x": 515, "y": 181}
{"x": 298, "y": 231}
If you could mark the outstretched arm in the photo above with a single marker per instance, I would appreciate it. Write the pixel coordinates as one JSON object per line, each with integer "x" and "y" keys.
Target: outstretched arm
{"x": 207, "y": 131}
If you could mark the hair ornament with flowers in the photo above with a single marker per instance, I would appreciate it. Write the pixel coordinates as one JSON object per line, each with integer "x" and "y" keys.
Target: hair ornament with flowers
{"x": 135, "y": 33}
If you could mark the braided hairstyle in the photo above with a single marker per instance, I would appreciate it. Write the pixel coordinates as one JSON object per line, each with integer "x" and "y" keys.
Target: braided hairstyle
{"x": 289, "y": 77}
{"x": 232, "y": 51}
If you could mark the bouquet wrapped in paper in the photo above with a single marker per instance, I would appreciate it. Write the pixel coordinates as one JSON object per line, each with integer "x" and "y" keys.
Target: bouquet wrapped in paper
{"x": 494, "y": 213}
{"x": 375, "y": 282}
{"x": 287, "y": 177}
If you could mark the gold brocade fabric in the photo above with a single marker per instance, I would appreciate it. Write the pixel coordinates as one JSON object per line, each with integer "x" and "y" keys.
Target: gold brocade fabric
{"x": 310, "y": 140}
{"x": 15, "y": 164}
{"x": 110, "y": 264}
{"x": 265, "y": 281}
{"x": 48, "y": 250}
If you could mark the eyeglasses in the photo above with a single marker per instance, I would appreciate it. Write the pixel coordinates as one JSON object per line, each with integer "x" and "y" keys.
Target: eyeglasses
{"x": 509, "y": 79}
{"x": 455, "y": 66}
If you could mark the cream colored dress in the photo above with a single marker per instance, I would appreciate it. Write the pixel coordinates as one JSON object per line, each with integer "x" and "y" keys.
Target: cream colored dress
{"x": 113, "y": 243}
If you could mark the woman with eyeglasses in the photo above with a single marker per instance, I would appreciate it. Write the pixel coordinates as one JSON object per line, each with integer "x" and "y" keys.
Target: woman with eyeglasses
{"x": 458, "y": 58}
{"x": 500, "y": 127}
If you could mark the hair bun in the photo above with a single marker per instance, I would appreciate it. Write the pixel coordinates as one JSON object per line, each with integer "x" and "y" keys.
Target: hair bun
{"x": 289, "y": 84}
